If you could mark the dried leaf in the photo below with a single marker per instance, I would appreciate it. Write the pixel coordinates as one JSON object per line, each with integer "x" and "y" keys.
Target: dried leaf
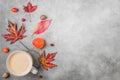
{"x": 42, "y": 26}
{"x": 30, "y": 8}
{"x": 14, "y": 34}
{"x": 12, "y": 28}
{"x": 21, "y": 30}
{"x": 46, "y": 60}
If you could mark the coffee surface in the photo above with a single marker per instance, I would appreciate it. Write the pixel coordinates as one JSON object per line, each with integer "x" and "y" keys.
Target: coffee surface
{"x": 19, "y": 62}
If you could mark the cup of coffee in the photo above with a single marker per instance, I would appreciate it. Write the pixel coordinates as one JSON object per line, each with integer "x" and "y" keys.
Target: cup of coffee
{"x": 20, "y": 63}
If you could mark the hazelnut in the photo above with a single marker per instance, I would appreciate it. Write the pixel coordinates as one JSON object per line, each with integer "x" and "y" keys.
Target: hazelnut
{"x": 6, "y": 75}
{"x": 43, "y": 17}
{"x": 5, "y": 50}
{"x": 14, "y": 10}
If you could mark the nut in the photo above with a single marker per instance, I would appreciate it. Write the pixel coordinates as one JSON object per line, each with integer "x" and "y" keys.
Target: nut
{"x": 6, "y": 75}
{"x": 5, "y": 50}
{"x": 43, "y": 17}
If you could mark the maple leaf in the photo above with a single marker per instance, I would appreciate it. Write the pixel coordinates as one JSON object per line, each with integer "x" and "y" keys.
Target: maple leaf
{"x": 14, "y": 34}
{"x": 30, "y": 8}
{"x": 42, "y": 26}
{"x": 46, "y": 60}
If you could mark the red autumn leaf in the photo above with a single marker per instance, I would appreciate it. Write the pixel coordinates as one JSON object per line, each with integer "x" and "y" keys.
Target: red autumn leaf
{"x": 14, "y": 34}
{"x": 42, "y": 26}
{"x": 46, "y": 60}
{"x": 30, "y": 8}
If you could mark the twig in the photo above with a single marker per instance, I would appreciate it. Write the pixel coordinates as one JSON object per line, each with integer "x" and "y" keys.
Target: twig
{"x": 24, "y": 45}
{"x": 30, "y": 16}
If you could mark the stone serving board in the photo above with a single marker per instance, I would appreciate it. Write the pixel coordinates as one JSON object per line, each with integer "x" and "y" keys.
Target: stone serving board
{"x": 86, "y": 34}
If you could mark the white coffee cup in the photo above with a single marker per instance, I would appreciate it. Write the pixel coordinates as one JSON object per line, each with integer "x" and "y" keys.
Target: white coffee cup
{"x": 20, "y": 63}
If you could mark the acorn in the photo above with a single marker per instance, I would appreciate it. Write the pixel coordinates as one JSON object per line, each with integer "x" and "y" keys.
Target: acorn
{"x": 6, "y": 75}
{"x": 43, "y": 17}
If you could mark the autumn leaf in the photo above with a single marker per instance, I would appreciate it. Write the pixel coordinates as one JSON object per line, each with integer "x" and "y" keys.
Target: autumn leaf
{"x": 46, "y": 60}
{"x": 42, "y": 26}
{"x": 30, "y": 8}
{"x": 14, "y": 34}
{"x": 12, "y": 28}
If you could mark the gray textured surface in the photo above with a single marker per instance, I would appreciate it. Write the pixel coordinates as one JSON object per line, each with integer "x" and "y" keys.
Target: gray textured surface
{"x": 85, "y": 32}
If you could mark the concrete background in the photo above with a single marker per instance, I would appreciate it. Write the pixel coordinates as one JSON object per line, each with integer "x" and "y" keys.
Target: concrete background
{"x": 86, "y": 34}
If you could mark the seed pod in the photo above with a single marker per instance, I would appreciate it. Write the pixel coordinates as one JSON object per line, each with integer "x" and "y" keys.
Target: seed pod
{"x": 43, "y": 17}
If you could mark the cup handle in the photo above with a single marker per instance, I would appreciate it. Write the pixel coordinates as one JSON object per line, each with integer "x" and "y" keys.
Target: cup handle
{"x": 34, "y": 70}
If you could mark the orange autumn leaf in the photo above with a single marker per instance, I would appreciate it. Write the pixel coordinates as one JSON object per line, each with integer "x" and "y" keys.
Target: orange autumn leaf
{"x": 14, "y": 33}
{"x": 46, "y": 60}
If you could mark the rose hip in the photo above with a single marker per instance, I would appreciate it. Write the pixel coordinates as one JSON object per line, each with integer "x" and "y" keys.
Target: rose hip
{"x": 14, "y": 10}
{"x": 5, "y": 50}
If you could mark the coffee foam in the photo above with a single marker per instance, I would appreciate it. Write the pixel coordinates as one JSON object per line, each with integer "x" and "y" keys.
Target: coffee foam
{"x": 19, "y": 63}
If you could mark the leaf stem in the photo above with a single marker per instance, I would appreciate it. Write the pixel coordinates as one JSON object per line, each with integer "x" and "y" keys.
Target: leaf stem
{"x": 30, "y": 16}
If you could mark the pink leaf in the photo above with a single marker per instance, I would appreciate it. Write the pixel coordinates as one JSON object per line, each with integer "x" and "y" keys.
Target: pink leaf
{"x": 42, "y": 26}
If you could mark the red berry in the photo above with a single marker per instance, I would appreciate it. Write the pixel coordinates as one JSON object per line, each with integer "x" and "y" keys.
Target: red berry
{"x": 23, "y": 19}
{"x": 52, "y": 44}
{"x": 40, "y": 76}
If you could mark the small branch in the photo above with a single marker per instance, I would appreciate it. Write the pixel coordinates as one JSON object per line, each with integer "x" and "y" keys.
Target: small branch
{"x": 24, "y": 45}
{"x": 30, "y": 16}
